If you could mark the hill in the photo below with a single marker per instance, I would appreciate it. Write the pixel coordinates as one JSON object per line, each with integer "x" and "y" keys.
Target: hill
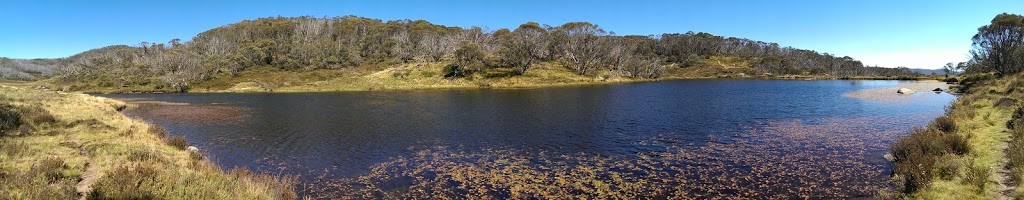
{"x": 27, "y": 69}
{"x": 328, "y": 53}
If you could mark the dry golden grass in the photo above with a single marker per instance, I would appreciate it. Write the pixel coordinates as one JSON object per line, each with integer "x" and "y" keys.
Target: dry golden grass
{"x": 110, "y": 156}
{"x": 994, "y": 159}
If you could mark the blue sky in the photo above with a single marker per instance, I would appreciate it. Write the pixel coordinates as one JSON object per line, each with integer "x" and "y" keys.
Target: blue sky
{"x": 919, "y": 34}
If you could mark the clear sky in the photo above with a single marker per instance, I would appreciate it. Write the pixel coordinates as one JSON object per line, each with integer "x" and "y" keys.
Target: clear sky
{"x": 917, "y": 34}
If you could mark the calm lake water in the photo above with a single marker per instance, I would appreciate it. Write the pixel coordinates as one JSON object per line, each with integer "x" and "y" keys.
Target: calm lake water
{"x": 772, "y": 134}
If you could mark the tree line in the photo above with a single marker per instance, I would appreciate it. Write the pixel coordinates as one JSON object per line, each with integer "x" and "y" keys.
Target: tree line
{"x": 307, "y": 43}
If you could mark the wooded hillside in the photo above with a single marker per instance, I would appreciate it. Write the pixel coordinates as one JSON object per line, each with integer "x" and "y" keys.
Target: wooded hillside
{"x": 309, "y": 43}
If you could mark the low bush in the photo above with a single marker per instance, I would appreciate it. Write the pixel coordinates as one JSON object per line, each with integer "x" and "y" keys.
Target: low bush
{"x": 977, "y": 176}
{"x": 945, "y": 124}
{"x": 37, "y": 183}
{"x": 158, "y": 131}
{"x": 126, "y": 182}
{"x": 51, "y": 168}
{"x": 1006, "y": 102}
{"x": 949, "y": 167}
{"x": 13, "y": 149}
{"x": 10, "y": 119}
{"x": 916, "y": 154}
{"x": 144, "y": 154}
{"x": 37, "y": 116}
{"x": 178, "y": 142}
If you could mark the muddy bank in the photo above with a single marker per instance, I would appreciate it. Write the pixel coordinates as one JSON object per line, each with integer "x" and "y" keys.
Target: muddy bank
{"x": 889, "y": 93}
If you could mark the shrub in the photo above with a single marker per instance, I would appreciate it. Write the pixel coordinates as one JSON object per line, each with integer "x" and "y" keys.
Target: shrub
{"x": 178, "y": 142}
{"x": 453, "y": 71}
{"x": 949, "y": 166}
{"x": 13, "y": 149}
{"x": 1017, "y": 118}
{"x": 37, "y": 183}
{"x": 977, "y": 176}
{"x": 945, "y": 124}
{"x": 126, "y": 182}
{"x": 51, "y": 168}
{"x": 9, "y": 118}
{"x": 158, "y": 131}
{"x": 144, "y": 154}
{"x": 195, "y": 155}
{"x": 37, "y": 115}
{"x": 1005, "y": 102}
{"x": 916, "y": 154}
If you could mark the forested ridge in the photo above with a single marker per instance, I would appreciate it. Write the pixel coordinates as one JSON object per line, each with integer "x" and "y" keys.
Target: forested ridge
{"x": 310, "y": 43}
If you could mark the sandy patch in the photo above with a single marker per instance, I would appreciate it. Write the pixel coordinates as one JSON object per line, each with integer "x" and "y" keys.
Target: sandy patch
{"x": 889, "y": 93}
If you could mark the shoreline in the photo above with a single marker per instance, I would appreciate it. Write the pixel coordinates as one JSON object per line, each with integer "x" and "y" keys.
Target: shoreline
{"x": 890, "y": 94}
{"x": 89, "y": 149}
{"x": 489, "y": 85}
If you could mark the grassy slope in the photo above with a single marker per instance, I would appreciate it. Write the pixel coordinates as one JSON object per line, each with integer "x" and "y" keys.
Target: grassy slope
{"x": 98, "y": 149}
{"x": 397, "y": 77}
{"x": 982, "y": 173}
{"x": 428, "y": 76}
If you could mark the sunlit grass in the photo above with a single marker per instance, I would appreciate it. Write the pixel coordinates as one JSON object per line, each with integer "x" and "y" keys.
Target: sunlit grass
{"x": 97, "y": 147}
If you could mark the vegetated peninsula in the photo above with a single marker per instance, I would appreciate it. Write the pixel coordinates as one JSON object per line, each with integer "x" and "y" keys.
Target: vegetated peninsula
{"x": 355, "y": 53}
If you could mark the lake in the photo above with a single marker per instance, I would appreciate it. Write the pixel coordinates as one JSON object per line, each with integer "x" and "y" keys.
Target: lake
{"x": 699, "y": 138}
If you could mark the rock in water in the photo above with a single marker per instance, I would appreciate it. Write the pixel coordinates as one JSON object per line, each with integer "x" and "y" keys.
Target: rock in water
{"x": 905, "y": 91}
{"x": 937, "y": 90}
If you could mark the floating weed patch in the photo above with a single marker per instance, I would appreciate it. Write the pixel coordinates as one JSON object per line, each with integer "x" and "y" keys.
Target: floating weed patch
{"x": 195, "y": 114}
{"x": 832, "y": 158}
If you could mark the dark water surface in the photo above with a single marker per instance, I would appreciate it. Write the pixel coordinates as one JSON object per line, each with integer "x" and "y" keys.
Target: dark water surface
{"x": 744, "y": 126}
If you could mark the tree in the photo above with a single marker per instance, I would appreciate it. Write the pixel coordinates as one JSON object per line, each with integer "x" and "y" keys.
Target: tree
{"x": 999, "y": 46}
{"x": 468, "y": 56}
{"x": 949, "y": 69}
{"x": 585, "y": 47}
{"x": 525, "y": 45}
{"x": 175, "y": 42}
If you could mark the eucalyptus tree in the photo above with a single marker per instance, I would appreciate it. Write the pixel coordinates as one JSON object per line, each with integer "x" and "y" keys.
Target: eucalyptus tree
{"x": 999, "y": 46}
{"x": 586, "y": 46}
{"x": 524, "y": 46}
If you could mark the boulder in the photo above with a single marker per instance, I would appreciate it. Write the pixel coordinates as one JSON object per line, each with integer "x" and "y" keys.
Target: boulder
{"x": 905, "y": 91}
{"x": 194, "y": 153}
{"x": 937, "y": 90}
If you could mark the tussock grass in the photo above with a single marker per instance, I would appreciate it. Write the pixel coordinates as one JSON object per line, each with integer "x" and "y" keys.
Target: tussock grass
{"x": 74, "y": 137}
{"x": 158, "y": 131}
{"x": 957, "y": 156}
{"x": 177, "y": 142}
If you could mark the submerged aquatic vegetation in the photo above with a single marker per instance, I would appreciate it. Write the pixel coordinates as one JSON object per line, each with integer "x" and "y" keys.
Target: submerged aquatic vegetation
{"x": 194, "y": 114}
{"x": 831, "y": 158}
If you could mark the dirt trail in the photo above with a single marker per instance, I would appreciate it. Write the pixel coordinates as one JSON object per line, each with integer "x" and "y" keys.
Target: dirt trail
{"x": 1003, "y": 177}
{"x": 91, "y": 175}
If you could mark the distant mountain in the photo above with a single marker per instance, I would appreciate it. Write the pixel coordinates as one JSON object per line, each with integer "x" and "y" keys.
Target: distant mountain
{"x": 928, "y": 71}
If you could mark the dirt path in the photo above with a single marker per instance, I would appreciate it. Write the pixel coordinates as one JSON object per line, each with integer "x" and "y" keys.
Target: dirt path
{"x": 1002, "y": 175}
{"x": 91, "y": 175}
